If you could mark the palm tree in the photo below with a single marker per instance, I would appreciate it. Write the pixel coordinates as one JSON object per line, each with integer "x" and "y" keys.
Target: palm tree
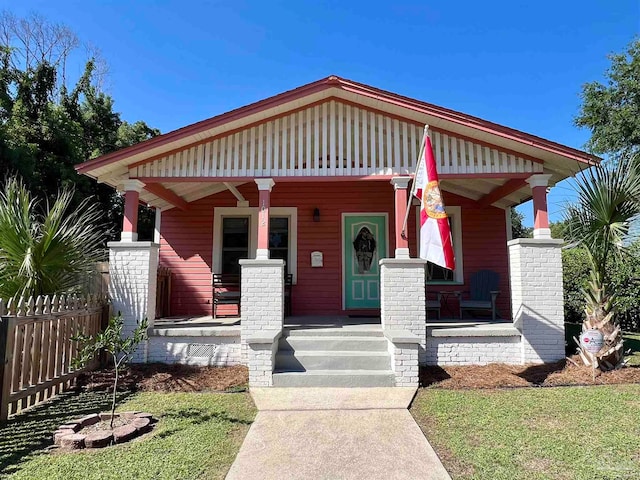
{"x": 46, "y": 250}
{"x": 608, "y": 201}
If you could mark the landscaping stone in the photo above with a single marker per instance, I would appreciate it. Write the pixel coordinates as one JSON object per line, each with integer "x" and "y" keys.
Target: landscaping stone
{"x": 129, "y": 415}
{"x": 107, "y": 416}
{"x": 62, "y": 432}
{"x": 99, "y": 439}
{"x": 143, "y": 425}
{"x": 70, "y": 435}
{"x": 74, "y": 441}
{"x": 124, "y": 433}
{"x": 71, "y": 426}
{"x": 89, "y": 420}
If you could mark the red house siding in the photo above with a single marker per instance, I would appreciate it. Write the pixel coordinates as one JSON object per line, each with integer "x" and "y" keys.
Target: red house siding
{"x": 187, "y": 241}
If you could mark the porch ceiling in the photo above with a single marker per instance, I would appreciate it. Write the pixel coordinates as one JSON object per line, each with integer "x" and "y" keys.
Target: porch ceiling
{"x": 474, "y": 189}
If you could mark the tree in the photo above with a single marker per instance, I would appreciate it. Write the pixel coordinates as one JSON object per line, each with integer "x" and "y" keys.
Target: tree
{"x": 612, "y": 111}
{"x": 557, "y": 229}
{"x": 608, "y": 200}
{"x": 48, "y": 123}
{"x": 46, "y": 250}
{"x": 518, "y": 230}
{"x": 112, "y": 341}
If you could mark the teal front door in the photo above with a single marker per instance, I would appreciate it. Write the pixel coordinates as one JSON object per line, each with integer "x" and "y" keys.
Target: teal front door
{"x": 364, "y": 244}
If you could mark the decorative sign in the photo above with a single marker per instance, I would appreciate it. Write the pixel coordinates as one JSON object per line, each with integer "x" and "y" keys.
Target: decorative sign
{"x": 316, "y": 259}
{"x": 592, "y": 341}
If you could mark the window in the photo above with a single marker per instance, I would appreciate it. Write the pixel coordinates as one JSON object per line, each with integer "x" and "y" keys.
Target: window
{"x": 235, "y": 243}
{"x": 235, "y": 236}
{"x": 436, "y": 273}
{"x": 439, "y": 275}
{"x": 279, "y": 239}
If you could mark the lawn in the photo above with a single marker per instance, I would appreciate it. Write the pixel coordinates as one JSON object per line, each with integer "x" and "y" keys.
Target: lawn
{"x": 198, "y": 436}
{"x": 534, "y": 433}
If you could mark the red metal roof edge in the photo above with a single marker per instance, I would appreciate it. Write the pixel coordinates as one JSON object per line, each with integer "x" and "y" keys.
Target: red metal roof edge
{"x": 351, "y": 86}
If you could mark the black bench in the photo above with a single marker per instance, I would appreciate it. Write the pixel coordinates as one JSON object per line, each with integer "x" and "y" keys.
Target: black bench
{"x": 226, "y": 290}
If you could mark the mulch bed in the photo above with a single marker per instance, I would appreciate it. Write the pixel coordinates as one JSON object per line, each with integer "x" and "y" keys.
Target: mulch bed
{"x": 158, "y": 377}
{"x": 504, "y": 376}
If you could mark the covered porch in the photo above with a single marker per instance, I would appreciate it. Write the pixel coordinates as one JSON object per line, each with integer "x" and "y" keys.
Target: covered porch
{"x": 302, "y": 196}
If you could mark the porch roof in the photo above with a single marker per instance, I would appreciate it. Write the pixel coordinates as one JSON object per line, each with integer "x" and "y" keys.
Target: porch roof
{"x": 336, "y": 129}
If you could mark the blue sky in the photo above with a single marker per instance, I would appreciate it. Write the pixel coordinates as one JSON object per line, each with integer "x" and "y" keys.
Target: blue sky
{"x": 517, "y": 63}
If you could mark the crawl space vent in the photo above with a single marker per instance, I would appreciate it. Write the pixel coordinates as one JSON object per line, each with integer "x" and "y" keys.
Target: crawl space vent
{"x": 201, "y": 350}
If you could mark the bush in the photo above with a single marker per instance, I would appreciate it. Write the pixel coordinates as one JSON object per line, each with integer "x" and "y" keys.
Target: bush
{"x": 625, "y": 281}
{"x": 575, "y": 273}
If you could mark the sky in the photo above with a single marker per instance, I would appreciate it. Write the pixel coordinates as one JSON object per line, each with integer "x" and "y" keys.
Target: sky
{"x": 517, "y": 63}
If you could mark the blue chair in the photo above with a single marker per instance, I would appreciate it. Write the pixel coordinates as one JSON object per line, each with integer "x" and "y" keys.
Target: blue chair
{"x": 483, "y": 291}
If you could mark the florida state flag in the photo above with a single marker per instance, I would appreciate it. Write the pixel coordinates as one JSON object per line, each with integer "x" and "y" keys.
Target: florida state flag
{"x": 435, "y": 232}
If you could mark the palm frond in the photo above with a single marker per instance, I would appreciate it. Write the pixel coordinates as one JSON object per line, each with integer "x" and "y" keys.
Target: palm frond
{"x": 608, "y": 202}
{"x": 49, "y": 251}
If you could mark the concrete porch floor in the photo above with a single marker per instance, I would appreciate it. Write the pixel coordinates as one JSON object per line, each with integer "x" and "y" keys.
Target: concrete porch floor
{"x": 320, "y": 321}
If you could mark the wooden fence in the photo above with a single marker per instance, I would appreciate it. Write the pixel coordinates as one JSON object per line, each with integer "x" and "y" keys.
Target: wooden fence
{"x": 99, "y": 284}
{"x": 36, "y": 346}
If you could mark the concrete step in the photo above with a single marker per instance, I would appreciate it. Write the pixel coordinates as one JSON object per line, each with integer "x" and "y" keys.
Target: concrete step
{"x": 350, "y": 331}
{"x": 335, "y": 360}
{"x": 335, "y": 378}
{"x": 334, "y": 343}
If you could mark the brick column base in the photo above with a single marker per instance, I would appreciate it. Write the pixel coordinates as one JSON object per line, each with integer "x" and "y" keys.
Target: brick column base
{"x": 262, "y": 314}
{"x": 402, "y": 299}
{"x": 133, "y": 268}
{"x": 537, "y": 297}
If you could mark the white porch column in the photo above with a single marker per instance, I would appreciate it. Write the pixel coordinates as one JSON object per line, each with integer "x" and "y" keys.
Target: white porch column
{"x": 133, "y": 268}
{"x": 264, "y": 187}
{"x": 537, "y": 299}
{"x": 400, "y": 185}
{"x": 403, "y": 314}
{"x": 132, "y": 189}
{"x": 262, "y": 314}
{"x": 539, "y": 185}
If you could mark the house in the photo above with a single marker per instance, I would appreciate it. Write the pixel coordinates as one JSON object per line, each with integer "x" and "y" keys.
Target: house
{"x": 313, "y": 185}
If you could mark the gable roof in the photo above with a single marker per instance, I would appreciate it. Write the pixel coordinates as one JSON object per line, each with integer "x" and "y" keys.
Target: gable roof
{"x": 323, "y": 128}
{"x": 472, "y": 127}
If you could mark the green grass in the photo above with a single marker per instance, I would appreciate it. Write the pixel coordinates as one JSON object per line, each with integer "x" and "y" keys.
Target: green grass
{"x": 535, "y": 433}
{"x": 632, "y": 342}
{"x": 198, "y": 436}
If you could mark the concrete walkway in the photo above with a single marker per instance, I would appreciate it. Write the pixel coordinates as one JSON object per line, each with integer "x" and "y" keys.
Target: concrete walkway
{"x": 335, "y": 433}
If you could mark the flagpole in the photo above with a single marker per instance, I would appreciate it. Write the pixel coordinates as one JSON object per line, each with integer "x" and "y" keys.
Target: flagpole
{"x": 413, "y": 187}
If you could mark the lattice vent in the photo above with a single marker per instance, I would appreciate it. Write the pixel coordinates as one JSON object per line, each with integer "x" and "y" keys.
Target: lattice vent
{"x": 201, "y": 350}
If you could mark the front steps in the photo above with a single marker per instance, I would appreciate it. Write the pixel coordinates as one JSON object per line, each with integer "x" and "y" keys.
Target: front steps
{"x": 330, "y": 356}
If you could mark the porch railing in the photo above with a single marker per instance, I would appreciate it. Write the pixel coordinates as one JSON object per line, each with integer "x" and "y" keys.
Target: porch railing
{"x": 36, "y": 346}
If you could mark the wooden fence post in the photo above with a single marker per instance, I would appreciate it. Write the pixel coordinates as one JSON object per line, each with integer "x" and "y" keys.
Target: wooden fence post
{"x": 104, "y": 322}
{"x": 6, "y": 357}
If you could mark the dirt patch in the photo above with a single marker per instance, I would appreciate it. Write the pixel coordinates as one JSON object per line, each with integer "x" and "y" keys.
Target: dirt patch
{"x": 159, "y": 377}
{"x": 504, "y": 376}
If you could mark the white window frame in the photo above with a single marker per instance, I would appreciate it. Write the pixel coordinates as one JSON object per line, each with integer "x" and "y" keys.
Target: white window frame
{"x": 252, "y": 212}
{"x": 455, "y": 213}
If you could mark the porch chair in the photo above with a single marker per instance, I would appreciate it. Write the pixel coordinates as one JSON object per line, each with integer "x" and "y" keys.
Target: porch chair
{"x": 433, "y": 305}
{"x": 226, "y": 291}
{"x": 288, "y": 293}
{"x": 483, "y": 293}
